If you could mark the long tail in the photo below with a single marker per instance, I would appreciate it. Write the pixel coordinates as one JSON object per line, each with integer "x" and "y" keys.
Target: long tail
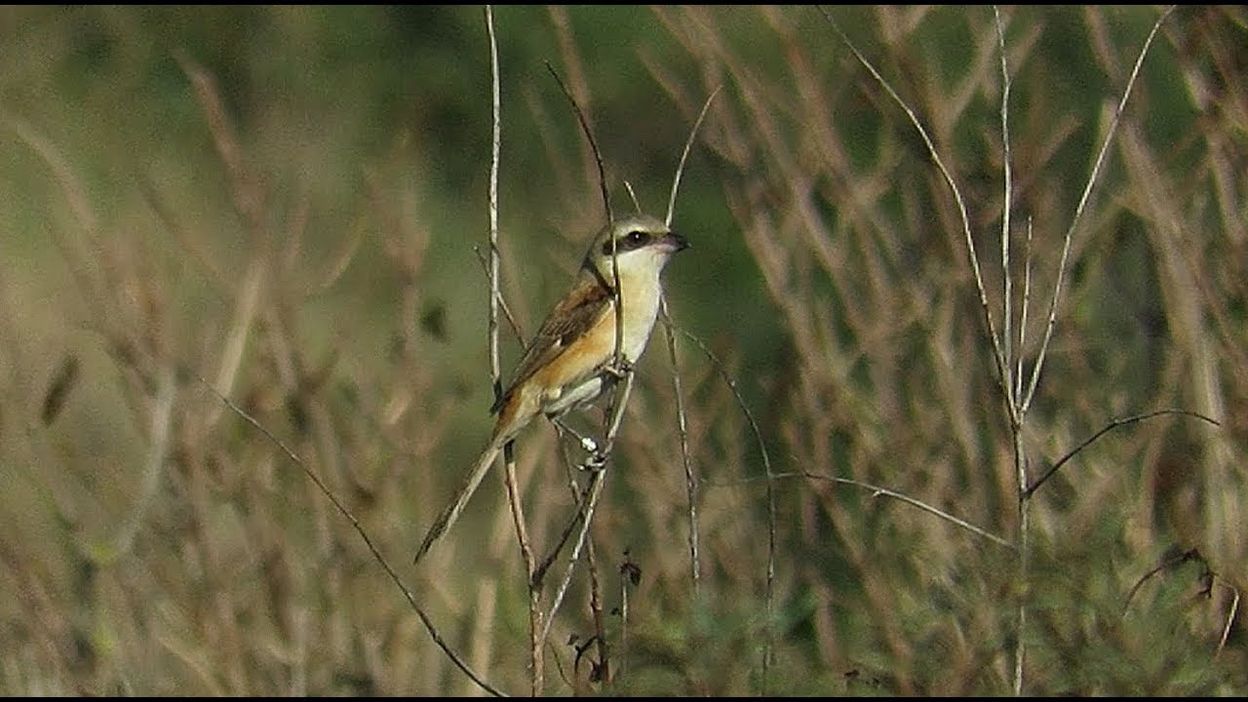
{"x": 447, "y": 519}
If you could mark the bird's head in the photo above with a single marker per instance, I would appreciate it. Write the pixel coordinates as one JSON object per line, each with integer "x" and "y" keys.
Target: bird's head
{"x": 639, "y": 243}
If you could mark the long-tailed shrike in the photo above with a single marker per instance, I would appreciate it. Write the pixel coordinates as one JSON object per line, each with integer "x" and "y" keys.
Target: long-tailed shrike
{"x": 569, "y": 363}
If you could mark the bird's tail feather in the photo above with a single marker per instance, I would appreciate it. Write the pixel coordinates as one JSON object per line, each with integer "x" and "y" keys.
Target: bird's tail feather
{"x": 449, "y": 515}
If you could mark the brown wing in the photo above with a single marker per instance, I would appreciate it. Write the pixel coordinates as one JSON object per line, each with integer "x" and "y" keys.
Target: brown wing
{"x": 577, "y": 312}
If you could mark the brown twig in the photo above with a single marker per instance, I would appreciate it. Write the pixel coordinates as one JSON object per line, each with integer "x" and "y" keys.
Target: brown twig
{"x": 368, "y": 541}
{"x": 684, "y": 156}
{"x": 1208, "y": 577}
{"x": 1093, "y": 177}
{"x": 998, "y": 353}
{"x": 514, "y": 499}
{"x": 878, "y": 491}
{"x": 769, "y": 643}
{"x": 586, "y": 508}
{"x": 589, "y": 135}
{"x": 682, "y": 429}
{"x": 1113, "y": 424}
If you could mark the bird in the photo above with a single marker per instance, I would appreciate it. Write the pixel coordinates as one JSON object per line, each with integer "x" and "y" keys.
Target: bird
{"x": 570, "y": 361}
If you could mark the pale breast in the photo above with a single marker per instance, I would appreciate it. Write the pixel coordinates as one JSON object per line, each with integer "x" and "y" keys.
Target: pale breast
{"x": 641, "y": 308}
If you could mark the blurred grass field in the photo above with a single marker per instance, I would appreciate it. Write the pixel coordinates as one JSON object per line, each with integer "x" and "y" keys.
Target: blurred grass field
{"x": 284, "y": 202}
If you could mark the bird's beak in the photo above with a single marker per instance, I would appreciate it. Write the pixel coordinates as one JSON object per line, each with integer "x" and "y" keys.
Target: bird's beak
{"x": 674, "y": 242}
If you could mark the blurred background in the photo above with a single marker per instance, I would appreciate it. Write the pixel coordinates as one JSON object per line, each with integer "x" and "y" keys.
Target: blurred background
{"x": 286, "y": 203}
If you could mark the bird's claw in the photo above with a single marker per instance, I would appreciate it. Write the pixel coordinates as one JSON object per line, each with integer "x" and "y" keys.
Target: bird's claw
{"x": 595, "y": 461}
{"x": 589, "y": 444}
{"x": 620, "y": 370}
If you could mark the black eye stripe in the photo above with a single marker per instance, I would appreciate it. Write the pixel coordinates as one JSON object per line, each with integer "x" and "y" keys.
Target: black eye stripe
{"x": 629, "y": 242}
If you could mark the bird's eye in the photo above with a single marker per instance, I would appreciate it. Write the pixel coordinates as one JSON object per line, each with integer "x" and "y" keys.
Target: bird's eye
{"x": 631, "y": 241}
